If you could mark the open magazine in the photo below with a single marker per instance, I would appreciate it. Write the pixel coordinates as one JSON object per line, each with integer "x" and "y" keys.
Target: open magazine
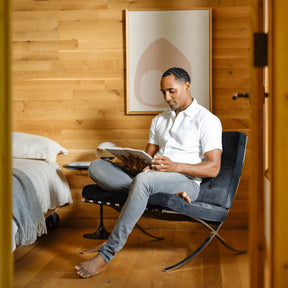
{"x": 119, "y": 151}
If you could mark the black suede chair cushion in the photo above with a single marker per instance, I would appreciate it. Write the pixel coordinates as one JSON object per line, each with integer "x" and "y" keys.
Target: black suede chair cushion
{"x": 95, "y": 193}
{"x": 204, "y": 211}
{"x": 200, "y": 210}
{"x": 221, "y": 190}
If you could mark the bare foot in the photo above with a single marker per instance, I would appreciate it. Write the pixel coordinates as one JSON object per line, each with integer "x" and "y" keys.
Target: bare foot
{"x": 91, "y": 267}
{"x": 184, "y": 195}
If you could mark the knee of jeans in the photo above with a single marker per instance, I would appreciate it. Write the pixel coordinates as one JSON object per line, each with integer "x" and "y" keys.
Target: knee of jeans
{"x": 140, "y": 178}
{"x": 95, "y": 168}
{"x": 141, "y": 181}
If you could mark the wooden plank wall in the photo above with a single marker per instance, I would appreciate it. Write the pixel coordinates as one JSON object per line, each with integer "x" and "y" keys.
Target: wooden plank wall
{"x": 68, "y": 76}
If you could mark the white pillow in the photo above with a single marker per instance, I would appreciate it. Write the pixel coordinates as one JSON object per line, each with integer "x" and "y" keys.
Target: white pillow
{"x": 35, "y": 147}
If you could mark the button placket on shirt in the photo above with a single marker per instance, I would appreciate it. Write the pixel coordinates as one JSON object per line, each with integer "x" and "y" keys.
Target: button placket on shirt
{"x": 175, "y": 125}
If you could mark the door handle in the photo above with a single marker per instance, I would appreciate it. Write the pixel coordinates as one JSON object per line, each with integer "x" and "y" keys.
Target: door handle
{"x": 240, "y": 95}
{"x": 245, "y": 95}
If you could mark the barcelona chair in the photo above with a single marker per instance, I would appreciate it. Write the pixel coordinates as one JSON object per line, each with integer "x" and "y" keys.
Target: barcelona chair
{"x": 210, "y": 209}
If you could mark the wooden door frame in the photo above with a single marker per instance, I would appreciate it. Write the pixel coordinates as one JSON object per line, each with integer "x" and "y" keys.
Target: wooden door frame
{"x": 256, "y": 183}
{"x": 278, "y": 93}
{"x": 6, "y": 257}
{"x": 279, "y": 233}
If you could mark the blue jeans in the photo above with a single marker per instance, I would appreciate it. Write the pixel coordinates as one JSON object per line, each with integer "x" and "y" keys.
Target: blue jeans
{"x": 112, "y": 177}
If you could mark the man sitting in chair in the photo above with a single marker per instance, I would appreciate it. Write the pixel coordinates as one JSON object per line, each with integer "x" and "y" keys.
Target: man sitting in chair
{"x": 186, "y": 145}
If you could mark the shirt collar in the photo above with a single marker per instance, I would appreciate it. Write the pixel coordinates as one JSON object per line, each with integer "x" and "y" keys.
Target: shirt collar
{"x": 190, "y": 110}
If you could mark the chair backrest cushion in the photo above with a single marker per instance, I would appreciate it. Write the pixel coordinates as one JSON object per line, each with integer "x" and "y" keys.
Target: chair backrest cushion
{"x": 221, "y": 190}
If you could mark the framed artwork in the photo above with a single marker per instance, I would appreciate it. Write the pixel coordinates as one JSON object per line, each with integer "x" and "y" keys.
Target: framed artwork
{"x": 159, "y": 40}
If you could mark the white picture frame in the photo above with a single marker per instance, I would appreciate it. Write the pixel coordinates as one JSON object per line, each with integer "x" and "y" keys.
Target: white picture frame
{"x": 159, "y": 40}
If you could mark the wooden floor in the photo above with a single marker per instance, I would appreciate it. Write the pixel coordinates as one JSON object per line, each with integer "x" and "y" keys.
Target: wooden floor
{"x": 50, "y": 261}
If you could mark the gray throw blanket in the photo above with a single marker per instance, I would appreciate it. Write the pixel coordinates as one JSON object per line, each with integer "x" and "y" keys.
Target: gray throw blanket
{"x": 27, "y": 212}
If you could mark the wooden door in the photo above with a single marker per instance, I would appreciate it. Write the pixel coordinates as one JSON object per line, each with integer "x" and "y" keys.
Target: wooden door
{"x": 279, "y": 195}
{"x": 256, "y": 193}
{"x": 6, "y": 259}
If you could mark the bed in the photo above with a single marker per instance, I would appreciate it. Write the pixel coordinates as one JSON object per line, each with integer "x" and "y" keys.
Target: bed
{"x": 39, "y": 186}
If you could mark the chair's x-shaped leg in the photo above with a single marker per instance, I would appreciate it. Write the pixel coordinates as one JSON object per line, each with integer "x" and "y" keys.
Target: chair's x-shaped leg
{"x": 213, "y": 233}
{"x": 101, "y": 233}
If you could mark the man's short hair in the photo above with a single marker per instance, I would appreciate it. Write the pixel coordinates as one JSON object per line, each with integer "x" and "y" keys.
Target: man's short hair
{"x": 179, "y": 74}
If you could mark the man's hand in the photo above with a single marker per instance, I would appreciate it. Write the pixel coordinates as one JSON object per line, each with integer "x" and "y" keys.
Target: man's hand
{"x": 210, "y": 167}
{"x": 164, "y": 164}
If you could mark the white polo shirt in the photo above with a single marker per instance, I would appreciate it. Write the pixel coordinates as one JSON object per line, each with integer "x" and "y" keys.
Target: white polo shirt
{"x": 188, "y": 136}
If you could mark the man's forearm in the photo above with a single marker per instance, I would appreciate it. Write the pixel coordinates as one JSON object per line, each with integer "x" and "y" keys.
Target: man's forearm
{"x": 208, "y": 168}
{"x": 201, "y": 170}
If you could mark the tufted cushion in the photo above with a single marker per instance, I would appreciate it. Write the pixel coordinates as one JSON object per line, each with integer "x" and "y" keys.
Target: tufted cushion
{"x": 208, "y": 212}
{"x": 95, "y": 193}
{"x": 204, "y": 211}
{"x": 221, "y": 190}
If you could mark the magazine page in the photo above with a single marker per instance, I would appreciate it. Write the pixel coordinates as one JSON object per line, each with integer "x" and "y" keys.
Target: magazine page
{"x": 118, "y": 152}
{"x": 140, "y": 154}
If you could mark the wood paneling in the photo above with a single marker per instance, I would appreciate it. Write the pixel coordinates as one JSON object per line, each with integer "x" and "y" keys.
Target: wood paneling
{"x": 69, "y": 75}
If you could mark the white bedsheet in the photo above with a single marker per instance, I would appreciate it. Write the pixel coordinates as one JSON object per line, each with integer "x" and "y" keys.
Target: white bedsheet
{"x": 49, "y": 181}
{"x": 50, "y": 184}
